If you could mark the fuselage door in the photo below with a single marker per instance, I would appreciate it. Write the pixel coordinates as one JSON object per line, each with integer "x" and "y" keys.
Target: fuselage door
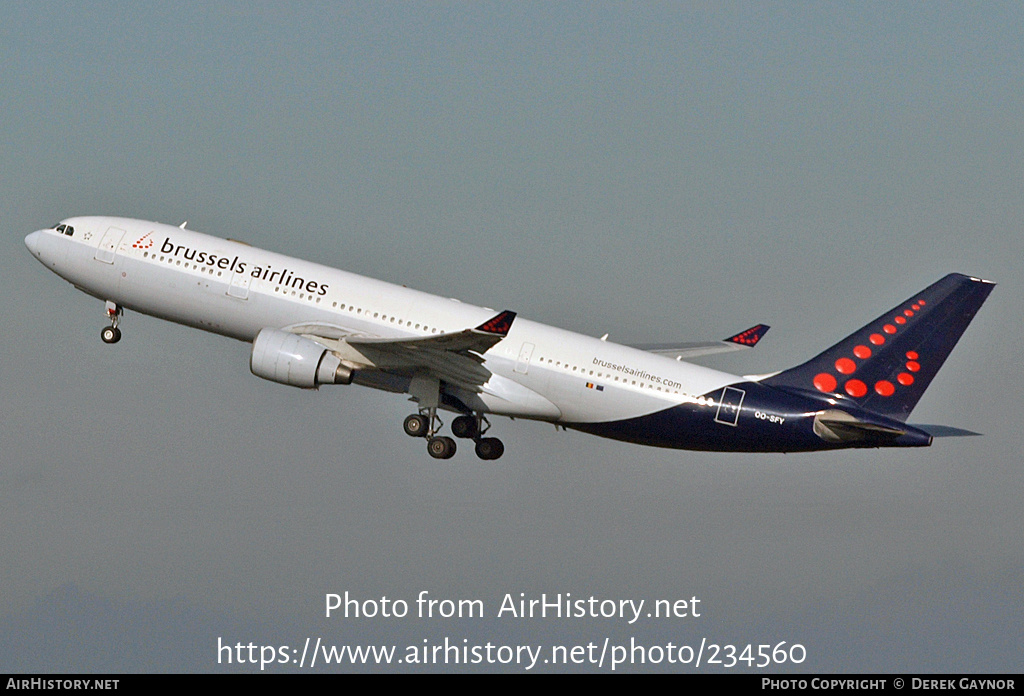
{"x": 108, "y": 245}
{"x": 523, "y": 362}
{"x": 239, "y": 286}
{"x": 729, "y": 406}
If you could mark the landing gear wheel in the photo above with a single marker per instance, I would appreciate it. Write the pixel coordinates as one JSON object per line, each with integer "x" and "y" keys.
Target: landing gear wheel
{"x": 110, "y": 334}
{"x": 441, "y": 447}
{"x": 464, "y": 426}
{"x": 489, "y": 448}
{"x": 415, "y": 425}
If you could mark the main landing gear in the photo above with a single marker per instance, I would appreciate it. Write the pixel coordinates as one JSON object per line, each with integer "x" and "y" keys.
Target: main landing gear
{"x": 112, "y": 334}
{"x": 426, "y": 424}
{"x": 473, "y": 427}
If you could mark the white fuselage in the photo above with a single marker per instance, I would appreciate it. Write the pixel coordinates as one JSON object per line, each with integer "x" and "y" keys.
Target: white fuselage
{"x": 236, "y": 290}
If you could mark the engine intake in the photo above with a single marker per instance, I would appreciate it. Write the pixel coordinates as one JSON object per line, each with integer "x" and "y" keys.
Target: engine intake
{"x": 287, "y": 358}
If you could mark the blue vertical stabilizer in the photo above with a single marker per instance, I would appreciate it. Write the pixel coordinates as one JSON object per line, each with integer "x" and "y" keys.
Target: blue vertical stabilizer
{"x": 886, "y": 366}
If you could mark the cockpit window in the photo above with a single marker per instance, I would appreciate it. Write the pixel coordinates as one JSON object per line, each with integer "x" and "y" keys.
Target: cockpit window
{"x": 65, "y": 229}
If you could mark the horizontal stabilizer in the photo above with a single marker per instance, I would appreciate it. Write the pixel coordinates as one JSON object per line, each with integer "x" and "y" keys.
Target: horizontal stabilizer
{"x": 838, "y": 426}
{"x": 946, "y": 431}
{"x": 865, "y": 430}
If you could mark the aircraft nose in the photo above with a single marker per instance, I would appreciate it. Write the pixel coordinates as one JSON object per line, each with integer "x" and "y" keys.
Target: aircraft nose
{"x": 32, "y": 242}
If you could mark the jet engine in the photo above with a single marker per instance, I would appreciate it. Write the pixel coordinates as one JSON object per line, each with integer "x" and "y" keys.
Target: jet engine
{"x": 288, "y": 358}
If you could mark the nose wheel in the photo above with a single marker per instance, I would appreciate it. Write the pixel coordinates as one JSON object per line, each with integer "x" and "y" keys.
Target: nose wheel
{"x": 112, "y": 334}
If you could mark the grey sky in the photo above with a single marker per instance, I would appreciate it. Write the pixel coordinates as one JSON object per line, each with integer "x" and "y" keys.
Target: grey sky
{"x": 658, "y": 171}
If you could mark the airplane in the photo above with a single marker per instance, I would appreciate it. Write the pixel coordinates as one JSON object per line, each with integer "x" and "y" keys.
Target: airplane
{"x": 311, "y": 325}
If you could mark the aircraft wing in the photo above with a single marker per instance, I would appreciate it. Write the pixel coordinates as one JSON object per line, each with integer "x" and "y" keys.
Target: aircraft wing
{"x": 452, "y": 357}
{"x": 744, "y": 339}
{"x": 478, "y": 340}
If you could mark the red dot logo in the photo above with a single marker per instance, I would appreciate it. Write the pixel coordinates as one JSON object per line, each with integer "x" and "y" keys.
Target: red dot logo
{"x": 856, "y": 388}
{"x": 825, "y": 382}
{"x": 845, "y": 366}
{"x": 889, "y": 329}
{"x": 900, "y": 320}
{"x": 908, "y": 312}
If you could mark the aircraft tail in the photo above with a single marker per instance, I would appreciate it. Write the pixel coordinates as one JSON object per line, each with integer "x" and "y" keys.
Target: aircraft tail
{"x": 886, "y": 366}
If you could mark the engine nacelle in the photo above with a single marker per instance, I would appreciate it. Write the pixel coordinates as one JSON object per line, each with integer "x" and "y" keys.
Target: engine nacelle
{"x": 288, "y": 358}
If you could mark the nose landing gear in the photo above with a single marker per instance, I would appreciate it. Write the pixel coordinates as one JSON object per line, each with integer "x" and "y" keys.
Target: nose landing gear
{"x": 112, "y": 334}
